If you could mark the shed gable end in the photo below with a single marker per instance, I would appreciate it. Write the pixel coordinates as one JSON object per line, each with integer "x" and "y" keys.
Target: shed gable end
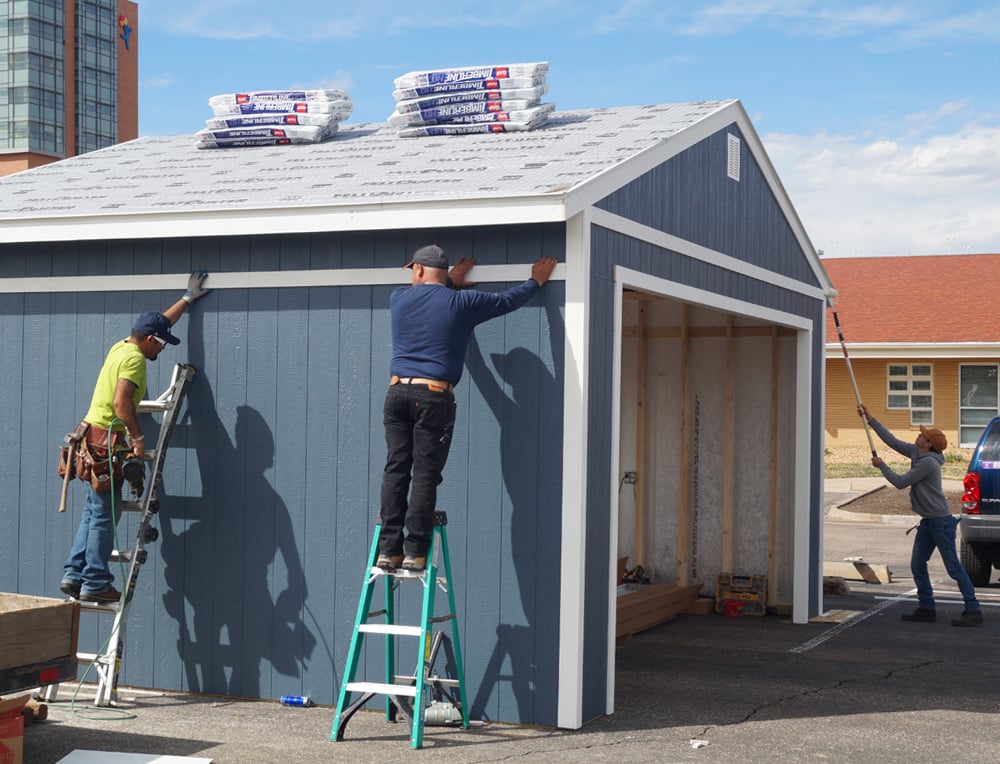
{"x": 697, "y": 197}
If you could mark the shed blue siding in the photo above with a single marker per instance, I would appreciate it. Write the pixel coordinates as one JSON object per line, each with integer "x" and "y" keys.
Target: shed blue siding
{"x": 272, "y": 481}
{"x": 692, "y": 197}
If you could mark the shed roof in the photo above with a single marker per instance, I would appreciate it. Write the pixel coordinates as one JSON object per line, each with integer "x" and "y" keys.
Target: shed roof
{"x": 365, "y": 177}
{"x": 921, "y": 300}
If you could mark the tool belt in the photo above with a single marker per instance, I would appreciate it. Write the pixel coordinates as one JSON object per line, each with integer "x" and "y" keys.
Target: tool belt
{"x": 86, "y": 456}
{"x": 434, "y": 385}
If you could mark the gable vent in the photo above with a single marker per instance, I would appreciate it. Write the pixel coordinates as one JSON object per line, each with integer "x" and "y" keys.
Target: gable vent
{"x": 733, "y": 158}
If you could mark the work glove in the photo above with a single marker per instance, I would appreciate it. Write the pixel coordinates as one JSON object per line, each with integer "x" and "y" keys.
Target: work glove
{"x": 195, "y": 287}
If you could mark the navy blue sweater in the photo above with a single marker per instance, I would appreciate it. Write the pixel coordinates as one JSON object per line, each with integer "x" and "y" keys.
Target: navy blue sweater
{"x": 432, "y": 325}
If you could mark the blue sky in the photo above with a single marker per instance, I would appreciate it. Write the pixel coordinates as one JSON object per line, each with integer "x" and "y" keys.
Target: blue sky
{"x": 881, "y": 118}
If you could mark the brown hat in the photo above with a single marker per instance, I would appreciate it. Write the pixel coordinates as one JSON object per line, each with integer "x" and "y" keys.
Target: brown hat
{"x": 938, "y": 441}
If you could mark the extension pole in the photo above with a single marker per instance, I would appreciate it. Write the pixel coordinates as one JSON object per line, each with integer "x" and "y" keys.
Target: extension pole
{"x": 850, "y": 371}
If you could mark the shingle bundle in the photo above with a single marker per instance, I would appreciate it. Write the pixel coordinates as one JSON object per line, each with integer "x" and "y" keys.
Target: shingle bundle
{"x": 273, "y": 118}
{"x": 476, "y": 99}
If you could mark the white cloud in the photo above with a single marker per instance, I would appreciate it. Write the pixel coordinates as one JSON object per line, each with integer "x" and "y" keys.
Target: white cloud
{"x": 164, "y": 80}
{"x": 312, "y": 20}
{"x": 893, "y": 196}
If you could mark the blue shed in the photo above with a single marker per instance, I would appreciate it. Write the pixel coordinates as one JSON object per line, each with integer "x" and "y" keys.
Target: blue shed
{"x": 660, "y": 399}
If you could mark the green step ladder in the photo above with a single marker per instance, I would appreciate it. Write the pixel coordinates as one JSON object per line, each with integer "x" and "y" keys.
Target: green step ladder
{"x": 423, "y": 697}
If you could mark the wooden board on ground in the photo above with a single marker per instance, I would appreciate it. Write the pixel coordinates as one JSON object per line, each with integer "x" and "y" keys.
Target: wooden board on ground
{"x": 648, "y": 606}
{"x": 859, "y": 570}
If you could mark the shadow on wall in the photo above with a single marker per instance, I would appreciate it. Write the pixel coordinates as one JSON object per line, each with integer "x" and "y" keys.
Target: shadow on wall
{"x": 218, "y": 570}
{"x": 531, "y": 661}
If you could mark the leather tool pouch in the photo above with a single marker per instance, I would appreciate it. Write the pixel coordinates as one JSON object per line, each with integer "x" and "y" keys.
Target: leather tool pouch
{"x": 90, "y": 461}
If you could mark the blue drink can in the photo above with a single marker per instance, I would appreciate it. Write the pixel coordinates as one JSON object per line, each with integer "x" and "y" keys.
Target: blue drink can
{"x": 296, "y": 700}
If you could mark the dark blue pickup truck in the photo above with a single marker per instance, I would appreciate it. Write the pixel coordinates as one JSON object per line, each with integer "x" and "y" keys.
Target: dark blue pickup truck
{"x": 980, "y": 523}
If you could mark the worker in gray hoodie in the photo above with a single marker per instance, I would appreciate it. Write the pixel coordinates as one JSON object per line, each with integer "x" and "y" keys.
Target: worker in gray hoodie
{"x": 937, "y": 524}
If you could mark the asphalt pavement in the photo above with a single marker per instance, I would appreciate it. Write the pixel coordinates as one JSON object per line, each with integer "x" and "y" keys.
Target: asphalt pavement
{"x": 860, "y": 687}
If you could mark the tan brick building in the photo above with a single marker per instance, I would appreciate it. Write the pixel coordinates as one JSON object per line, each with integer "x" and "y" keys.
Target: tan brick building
{"x": 923, "y": 336}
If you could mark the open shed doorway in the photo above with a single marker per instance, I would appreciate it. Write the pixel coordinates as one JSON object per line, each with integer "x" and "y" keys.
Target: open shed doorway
{"x": 707, "y": 460}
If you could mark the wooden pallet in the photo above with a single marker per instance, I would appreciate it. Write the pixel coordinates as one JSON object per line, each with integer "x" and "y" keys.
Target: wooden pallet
{"x": 649, "y": 606}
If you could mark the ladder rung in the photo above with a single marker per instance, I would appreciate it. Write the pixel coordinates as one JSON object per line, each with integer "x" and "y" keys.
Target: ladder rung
{"x": 383, "y": 689}
{"x": 391, "y": 628}
{"x": 119, "y": 556}
{"x": 147, "y": 406}
{"x": 130, "y": 506}
{"x": 93, "y": 658}
{"x": 94, "y": 607}
{"x": 431, "y": 680}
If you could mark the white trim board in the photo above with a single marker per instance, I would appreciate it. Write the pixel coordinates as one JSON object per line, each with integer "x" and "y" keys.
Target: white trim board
{"x": 572, "y": 615}
{"x": 663, "y": 240}
{"x": 910, "y": 350}
{"x": 373, "y": 217}
{"x": 143, "y": 282}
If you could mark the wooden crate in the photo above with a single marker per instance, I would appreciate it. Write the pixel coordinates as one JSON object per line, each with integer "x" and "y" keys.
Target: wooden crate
{"x": 647, "y": 606}
{"x": 36, "y": 629}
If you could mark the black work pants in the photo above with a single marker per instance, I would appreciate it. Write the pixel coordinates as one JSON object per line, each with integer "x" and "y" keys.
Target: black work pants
{"x": 418, "y": 429}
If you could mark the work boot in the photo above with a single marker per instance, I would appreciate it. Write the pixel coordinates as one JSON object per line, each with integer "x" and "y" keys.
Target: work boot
{"x": 414, "y": 563}
{"x": 968, "y": 618}
{"x": 70, "y": 588}
{"x": 921, "y": 615}
{"x": 108, "y": 597}
{"x": 389, "y": 561}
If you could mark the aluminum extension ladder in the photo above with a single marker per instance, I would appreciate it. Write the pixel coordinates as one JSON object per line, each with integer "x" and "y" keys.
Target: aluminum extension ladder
{"x": 146, "y": 490}
{"x": 423, "y": 698}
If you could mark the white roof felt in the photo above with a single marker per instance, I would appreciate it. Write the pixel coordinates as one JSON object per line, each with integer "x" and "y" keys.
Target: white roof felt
{"x": 151, "y": 185}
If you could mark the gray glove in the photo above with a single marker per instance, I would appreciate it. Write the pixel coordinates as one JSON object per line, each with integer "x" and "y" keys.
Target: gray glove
{"x": 195, "y": 287}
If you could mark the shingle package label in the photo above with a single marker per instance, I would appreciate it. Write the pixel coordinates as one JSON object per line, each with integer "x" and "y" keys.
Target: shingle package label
{"x": 468, "y": 74}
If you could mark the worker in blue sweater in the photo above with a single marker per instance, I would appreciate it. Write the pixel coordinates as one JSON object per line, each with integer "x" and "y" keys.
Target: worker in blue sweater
{"x": 432, "y": 322}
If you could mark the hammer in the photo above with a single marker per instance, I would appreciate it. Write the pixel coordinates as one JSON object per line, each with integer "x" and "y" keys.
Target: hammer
{"x": 68, "y": 475}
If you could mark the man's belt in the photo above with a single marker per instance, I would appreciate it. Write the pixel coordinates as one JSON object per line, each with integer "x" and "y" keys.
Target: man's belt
{"x": 434, "y": 385}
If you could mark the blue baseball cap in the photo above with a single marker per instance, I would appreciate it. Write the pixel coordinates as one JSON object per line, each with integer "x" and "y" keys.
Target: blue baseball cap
{"x": 156, "y": 324}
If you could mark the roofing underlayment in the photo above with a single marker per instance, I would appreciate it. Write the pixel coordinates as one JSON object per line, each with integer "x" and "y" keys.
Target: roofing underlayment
{"x": 364, "y": 164}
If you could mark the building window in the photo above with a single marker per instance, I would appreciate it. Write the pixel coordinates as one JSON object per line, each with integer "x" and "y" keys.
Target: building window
{"x": 910, "y": 386}
{"x": 977, "y": 401}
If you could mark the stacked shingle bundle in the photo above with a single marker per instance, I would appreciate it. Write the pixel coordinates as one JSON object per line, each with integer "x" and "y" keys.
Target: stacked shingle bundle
{"x": 273, "y": 118}
{"x": 476, "y": 99}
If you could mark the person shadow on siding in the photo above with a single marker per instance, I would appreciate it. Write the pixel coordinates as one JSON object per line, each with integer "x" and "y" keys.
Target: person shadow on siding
{"x": 222, "y": 570}
{"x": 526, "y": 417}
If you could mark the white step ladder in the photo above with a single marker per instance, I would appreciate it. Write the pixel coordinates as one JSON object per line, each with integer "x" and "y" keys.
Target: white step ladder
{"x": 108, "y": 662}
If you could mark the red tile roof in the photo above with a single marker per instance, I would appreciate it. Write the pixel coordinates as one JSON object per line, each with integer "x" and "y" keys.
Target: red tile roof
{"x": 928, "y": 298}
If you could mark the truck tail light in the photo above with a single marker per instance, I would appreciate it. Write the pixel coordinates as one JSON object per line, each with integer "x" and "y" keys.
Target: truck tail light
{"x": 970, "y": 499}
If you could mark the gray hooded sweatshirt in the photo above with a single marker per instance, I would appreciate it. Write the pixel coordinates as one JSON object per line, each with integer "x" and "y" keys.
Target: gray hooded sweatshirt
{"x": 924, "y": 478}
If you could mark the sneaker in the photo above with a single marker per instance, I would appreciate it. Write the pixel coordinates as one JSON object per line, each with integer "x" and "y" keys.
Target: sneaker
{"x": 108, "y": 597}
{"x": 921, "y": 615}
{"x": 389, "y": 561}
{"x": 70, "y": 588}
{"x": 968, "y": 618}
{"x": 414, "y": 563}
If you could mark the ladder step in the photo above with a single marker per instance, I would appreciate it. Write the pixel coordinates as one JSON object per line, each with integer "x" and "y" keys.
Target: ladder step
{"x": 130, "y": 506}
{"x": 383, "y": 689}
{"x": 119, "y": 556}
{"x": 391, "y": 628}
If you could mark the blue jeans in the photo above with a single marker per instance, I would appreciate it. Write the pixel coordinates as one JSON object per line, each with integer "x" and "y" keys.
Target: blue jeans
{"x": 87, "y": 563}
{"x": 418, "y": 427}
{"x": 939, "y": 533}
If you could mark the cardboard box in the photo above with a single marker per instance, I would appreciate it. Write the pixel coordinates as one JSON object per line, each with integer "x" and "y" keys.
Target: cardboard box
{"x": 12, "y": 730}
